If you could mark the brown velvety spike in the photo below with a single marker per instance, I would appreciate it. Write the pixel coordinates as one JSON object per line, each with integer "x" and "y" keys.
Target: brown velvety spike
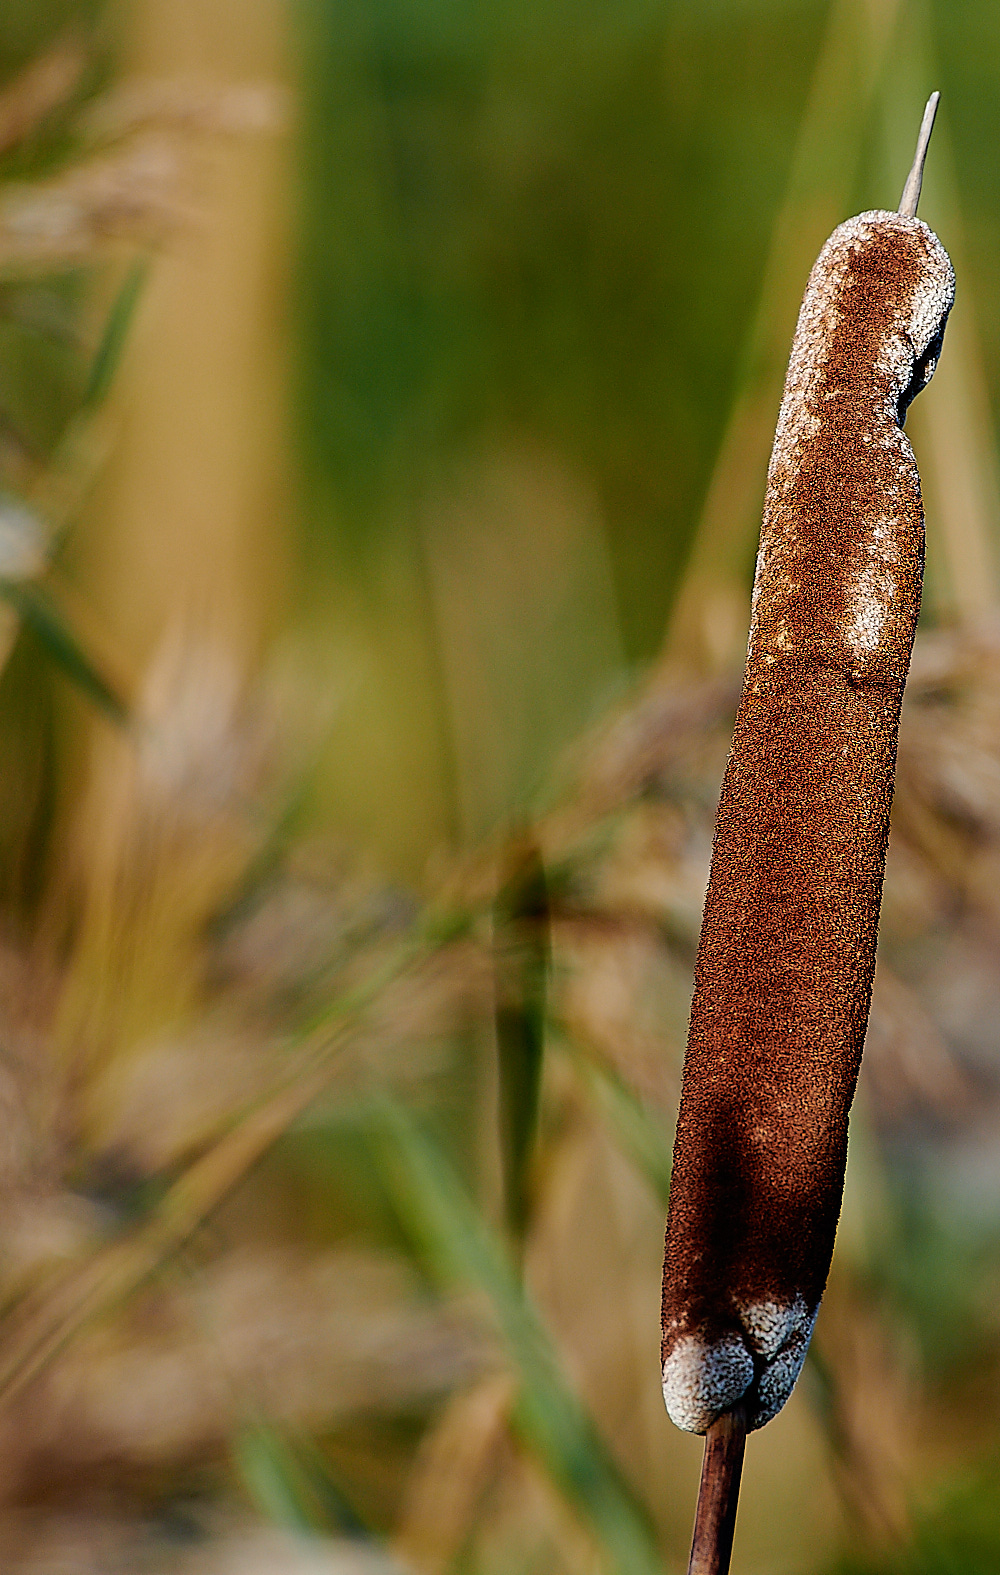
{"x": 784, "y": 972}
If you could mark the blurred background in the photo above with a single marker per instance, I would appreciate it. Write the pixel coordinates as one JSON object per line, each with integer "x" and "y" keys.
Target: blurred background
{"x": 386, "y": 392}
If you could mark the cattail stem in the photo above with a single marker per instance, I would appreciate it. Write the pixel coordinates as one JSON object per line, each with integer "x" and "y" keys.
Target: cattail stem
{"x": 718, "y": 1495}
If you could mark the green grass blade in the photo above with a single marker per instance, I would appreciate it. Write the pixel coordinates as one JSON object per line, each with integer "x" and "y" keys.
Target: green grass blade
{"x": 290, "y": 1483}
{"x": 274, "y": 1480}
{"x": 51, "y": 629}
{"x": 642, "y": 1137}
{"x": 459, "y": 1249}
{"x": 116, "y": 327}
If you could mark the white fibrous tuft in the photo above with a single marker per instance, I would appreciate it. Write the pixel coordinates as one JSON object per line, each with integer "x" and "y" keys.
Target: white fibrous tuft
{"x": 701, "y": 1381}
{"x": 781, "y": 1334}
{"x": 799, "y": 420}
{"x": 702, "y": 1378}
{"x": 870, "y": 596}
{"x": 905, "y": 359}
{"x": 930, "y": 301}
{"x": 779, "y": 1377}
{"x": 771, "y": 1324}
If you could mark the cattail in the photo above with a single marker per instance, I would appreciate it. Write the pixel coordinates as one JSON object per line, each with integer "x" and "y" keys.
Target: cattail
{"x": 787, "y": 953}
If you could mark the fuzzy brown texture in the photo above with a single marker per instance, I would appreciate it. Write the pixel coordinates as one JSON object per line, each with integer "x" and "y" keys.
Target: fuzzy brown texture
{"x": 787, "y": 953}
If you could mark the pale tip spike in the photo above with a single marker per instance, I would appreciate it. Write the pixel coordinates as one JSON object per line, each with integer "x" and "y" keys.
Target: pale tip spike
{"x": 911, "y": 191}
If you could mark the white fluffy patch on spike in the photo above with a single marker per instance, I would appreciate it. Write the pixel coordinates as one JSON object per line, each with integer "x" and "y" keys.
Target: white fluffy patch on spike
{"x": 701, "y": 1381}
{"x": 779, "y": 1377}
{"x": 780, "y": 1333}
{"x": 770, "y": 1325}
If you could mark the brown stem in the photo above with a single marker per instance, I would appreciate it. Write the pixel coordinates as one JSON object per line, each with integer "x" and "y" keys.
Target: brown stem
{"x": 718, "y": 1495}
